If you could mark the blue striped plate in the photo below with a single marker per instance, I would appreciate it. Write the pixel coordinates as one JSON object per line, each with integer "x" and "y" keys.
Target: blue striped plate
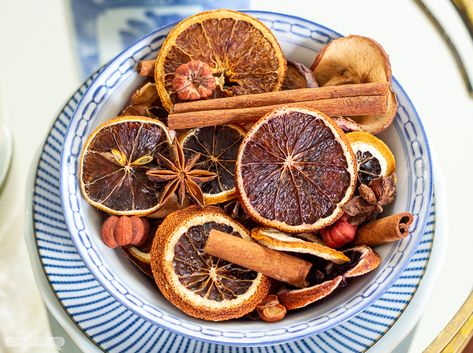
{"x": 114, "y": 328}
{"x": 115, "y": 316}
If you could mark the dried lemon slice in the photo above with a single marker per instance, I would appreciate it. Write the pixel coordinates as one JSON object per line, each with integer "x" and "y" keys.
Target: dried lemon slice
{"x": 277, "y": 240}
{"x": 201, "y": 285}
{"x": 373, "y": 156}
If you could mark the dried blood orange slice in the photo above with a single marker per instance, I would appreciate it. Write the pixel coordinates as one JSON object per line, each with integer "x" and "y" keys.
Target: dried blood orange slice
{"x": 242, "y": 54}
{"x": 114, "y": 162}
{"x": 295, "y": 170}
{"x": 218, "y": 148}
{"x": 199, "y": 284}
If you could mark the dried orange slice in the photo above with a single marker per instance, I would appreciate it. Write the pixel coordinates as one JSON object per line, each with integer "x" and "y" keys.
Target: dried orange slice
{"x": 199, "y": 284}
{"x": 295, "y": 170}
{"x": 373, "y": 156}
{"x": 277, "y": 240}
{"x": 243, "y": 55}
{"x": 114, "y": 162}
{"x": 218, "y": 148}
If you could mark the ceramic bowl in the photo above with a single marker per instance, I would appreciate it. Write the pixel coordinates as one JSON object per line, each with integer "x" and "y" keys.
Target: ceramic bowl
{"x": 300, "y": 40}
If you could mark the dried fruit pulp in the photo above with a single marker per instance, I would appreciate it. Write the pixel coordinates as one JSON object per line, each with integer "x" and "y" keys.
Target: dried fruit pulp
{"x": 201, "y": 285}
{"x": 114, "y": 162}
{"x": 295, "y": 170}
{"x": 243, "y": 54}
{"x": 373, "y": 156}
{"x": 218, "y": 148}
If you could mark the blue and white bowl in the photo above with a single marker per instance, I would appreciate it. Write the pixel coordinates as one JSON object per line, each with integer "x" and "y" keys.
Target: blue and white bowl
{"x": 300, "y": 40}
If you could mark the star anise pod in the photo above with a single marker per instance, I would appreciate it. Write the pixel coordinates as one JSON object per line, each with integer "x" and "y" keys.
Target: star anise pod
{"x": 371, "y": 199}
{"x": 180, "y": 176}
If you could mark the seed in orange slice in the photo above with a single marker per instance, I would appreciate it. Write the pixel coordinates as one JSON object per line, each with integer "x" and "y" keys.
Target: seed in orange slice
{"x": 373, "y": 156}
{"x": 218, "y": 148}
{"x": 201, "y": 285}
{"x": 280, "y": 241}
{"x": 114, "y": 162}
{"x": 238, "y": 50}
{"x": 295, "y": 170}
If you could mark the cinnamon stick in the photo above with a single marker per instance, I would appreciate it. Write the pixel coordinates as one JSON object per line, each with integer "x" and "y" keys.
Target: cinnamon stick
{"x": 246, "y": 253}
{"x": 282, "y": 97}
{"x": 145, "y": 68}
{"x": 346, "y": 106}
{"x": 385, "y": 230}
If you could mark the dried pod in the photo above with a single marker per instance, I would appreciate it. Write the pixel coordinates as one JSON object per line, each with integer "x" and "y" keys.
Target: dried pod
{"x": 194, "y": 80}
{"x": 124, "y": 230}
{"x": 339, "y": 233}
{"x": 270, "y": 310}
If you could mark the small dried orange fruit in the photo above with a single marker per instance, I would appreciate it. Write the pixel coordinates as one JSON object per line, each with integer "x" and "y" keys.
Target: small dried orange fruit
{"x": 201, "y": 285}
{"x": 295, "y": 170}
{"x": 218, "y": 53}
{"x": 218, "y": 148}
{"x": 114, "y": 161}
{"x": 277, "y": 240}
{"x": 373, "y": 156}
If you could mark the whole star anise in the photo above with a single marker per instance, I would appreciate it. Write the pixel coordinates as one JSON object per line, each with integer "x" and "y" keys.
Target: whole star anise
{"x": 180, "y": 176}
{"x": 371, "y": 200}
{"x": 193, "y": 80}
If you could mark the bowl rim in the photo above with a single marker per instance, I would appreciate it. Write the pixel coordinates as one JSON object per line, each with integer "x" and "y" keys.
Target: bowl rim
{"x": 226, "y": 337}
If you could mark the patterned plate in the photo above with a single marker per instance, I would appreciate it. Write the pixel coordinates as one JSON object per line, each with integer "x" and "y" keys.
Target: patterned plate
{"x": 114, "y": 328}
{"x": 301, "y": 40}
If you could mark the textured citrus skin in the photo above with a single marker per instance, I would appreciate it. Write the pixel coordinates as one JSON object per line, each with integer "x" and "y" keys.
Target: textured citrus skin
{"x": 163, "y": 268}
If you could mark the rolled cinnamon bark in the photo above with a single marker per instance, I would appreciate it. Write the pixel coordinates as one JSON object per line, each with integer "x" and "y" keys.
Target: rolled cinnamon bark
{"x": 385, "y": 230}
{"x": 145, "y": 68}
{"x": 246, "y": 253}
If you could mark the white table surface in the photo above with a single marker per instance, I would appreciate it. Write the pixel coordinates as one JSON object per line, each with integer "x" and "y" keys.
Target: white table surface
{"x": 38, "y": 72}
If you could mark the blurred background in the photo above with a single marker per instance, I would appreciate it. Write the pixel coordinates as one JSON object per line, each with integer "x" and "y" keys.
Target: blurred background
{"x": 48, "y": 48}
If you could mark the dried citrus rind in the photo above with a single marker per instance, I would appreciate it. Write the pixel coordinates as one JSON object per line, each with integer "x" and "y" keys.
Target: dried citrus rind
{"x": 295, "y": 170}
{"x": 280, "y": 241}
{"x": 199, "y": 284}
{"x": 218, "y": 148}
{"x": 374, "y": 157}
{"x": 114, "y": 161}
{"x": 243, "y": 54}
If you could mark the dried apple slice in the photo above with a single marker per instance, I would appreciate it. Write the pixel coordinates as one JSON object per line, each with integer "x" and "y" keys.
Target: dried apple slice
{"x": 277, "y": 240}
{"x": 357, "y": 59}
{"x": 327, "y": 278}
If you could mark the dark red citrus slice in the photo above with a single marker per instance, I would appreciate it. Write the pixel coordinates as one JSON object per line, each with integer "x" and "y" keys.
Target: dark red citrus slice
{"x": 295, "y": 170}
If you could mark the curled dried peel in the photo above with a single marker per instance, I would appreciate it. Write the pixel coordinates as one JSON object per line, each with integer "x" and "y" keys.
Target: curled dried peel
{"x": 277, "y": 240}
{"x": 367, "y": 261}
